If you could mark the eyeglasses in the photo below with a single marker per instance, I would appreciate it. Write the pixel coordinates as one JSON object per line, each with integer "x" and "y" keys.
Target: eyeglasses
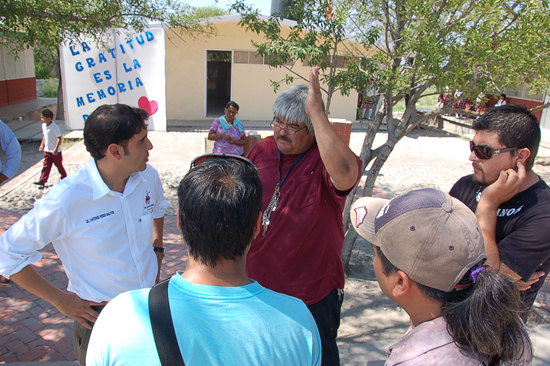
{"x": 202, "y": 158}
{"x": 485, "y": 152}
{"x": 290, "y": 129}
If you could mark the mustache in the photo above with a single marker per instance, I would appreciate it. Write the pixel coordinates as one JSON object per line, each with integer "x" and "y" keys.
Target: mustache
{"x": 284, "y": 138}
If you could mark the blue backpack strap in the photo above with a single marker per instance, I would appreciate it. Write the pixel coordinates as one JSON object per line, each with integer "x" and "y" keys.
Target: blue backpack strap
{"x": 163, "y": 327}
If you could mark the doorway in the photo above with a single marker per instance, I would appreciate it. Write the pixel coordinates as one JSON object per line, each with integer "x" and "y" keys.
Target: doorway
{"x": 218, "y": 82}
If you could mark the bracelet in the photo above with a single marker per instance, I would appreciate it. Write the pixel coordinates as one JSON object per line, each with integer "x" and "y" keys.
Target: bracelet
{"x": 160, "y": 250}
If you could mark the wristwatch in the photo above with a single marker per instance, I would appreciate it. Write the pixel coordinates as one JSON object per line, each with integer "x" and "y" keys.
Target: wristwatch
{"x": 160, "y": 250}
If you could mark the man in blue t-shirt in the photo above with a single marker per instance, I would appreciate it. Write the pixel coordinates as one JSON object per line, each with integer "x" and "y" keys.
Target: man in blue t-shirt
{"x": 219, "y": 315}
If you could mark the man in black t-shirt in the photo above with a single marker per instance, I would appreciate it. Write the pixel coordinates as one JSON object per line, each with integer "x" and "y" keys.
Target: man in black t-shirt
{"x": 511, "y": 202}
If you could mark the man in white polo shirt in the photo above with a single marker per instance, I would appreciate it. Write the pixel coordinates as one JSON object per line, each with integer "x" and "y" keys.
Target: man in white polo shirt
{"x": 105, "y": 222}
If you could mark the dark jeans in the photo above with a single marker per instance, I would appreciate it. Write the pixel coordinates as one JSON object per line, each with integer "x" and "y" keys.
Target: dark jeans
{"x": 327, "y": 316}
{"x": 82, "y": 338}
{"x": 49, "y": 159}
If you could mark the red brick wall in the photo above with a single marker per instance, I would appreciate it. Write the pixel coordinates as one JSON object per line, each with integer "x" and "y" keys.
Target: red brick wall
{"x": 510, "y": 100}
{"x": 343, "y": 129}
{"x": 250, "y": 142}
{"x": 3, "y": 93}
{"x": 20, "y": 90}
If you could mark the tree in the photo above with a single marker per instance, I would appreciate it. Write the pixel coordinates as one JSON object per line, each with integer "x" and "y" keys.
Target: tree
{"x": 202, "y": 12}
{"x": 46, "y": 63}
{"x": 422, "y": 47}
{"x": 319, "y": 38}
{"x": 51, "y": 23}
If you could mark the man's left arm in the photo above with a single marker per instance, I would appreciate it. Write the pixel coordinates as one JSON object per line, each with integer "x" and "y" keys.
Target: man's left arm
{"x": 158, "y": 234}
{"x": 339, "y": 160}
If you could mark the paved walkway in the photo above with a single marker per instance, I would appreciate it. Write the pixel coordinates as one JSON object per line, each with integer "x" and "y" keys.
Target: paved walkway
{"x": 33, "y": 330}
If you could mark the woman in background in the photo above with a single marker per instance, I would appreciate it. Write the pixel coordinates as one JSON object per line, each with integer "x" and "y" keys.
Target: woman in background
{"x": 228, "y": 132}
{"x": 501, "y": 100}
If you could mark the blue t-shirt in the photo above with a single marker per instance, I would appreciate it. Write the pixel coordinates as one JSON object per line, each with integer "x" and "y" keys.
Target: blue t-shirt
{"x": 246, "y": 325}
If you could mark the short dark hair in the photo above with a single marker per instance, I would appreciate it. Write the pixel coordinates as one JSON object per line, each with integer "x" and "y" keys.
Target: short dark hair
{"x": 232, "y": 104}
{"x": 47, "y": 113}
{"x": 483, "y": 317}
{"x": 112, "y": 124}
{"x": 503, "y": 95}
{"x": 515, "y": 125}
{"x": 219, "y": 201}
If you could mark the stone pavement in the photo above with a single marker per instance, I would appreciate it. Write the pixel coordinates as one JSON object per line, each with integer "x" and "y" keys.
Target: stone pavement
{"x": 33, "y": 330}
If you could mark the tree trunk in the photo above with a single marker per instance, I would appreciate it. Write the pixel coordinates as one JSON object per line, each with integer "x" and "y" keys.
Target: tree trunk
{"x": 60, "y": 113}
{"x": 380, "y": 159}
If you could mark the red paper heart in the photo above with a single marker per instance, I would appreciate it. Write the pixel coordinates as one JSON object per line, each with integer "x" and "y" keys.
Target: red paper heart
{"x": 150, "y": 106}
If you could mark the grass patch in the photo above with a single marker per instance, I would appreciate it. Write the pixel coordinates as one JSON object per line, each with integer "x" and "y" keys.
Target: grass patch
{"x": 47, "y": 88}
{"x": 425, "y": 102}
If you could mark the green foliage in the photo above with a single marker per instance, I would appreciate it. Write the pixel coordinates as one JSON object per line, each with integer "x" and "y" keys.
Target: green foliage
{"x": 202, "y": 12}
{"x": 314, "y": 40}
{"x": 50, "y": 23}
{"x": 47, "y": 88}
{"x": 468, "y": 45}
{"x": 46, "y": 63}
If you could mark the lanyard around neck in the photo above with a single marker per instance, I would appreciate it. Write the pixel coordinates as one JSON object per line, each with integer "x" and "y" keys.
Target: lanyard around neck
{"x": 266, "y": 217}
{"x": 292, "y": 167}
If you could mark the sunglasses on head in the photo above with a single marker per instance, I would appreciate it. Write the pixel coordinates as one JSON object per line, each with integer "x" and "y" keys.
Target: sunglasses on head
{"x": 485, "y": 152}
{"x": 200, "y": 159}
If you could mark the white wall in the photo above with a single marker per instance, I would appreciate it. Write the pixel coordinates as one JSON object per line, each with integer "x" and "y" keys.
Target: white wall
{"x": 11, "y": 68}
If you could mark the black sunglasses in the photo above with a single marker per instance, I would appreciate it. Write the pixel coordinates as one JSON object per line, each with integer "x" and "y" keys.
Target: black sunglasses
{"x": 201, "y": 158}
{"x": 485, "y": 152}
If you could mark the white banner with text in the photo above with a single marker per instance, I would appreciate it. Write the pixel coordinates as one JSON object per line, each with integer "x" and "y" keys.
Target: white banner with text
{"x": 129, "y": 70}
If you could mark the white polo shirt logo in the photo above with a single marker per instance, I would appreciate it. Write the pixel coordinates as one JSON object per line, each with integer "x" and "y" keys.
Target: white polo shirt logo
{"x": 148, "y": 204}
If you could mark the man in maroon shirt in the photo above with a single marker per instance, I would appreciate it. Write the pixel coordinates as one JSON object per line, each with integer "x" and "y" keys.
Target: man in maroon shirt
{"x": 307, "y": 171}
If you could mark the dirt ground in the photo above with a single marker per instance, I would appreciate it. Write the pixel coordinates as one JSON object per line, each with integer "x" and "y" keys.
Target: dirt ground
{"x": 30, "y": 154}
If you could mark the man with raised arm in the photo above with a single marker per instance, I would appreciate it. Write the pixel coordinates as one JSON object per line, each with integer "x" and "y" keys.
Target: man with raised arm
{"x": 105, "y": 222}
{"x": 511, "y": 202}
{"x": 307, "y": 171}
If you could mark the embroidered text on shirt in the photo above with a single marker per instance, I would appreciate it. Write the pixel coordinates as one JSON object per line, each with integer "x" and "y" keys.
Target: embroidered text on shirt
{"x": 91, "y": 219}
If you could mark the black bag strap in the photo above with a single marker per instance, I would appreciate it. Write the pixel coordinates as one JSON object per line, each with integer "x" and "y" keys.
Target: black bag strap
{"x": 163, "y": 327}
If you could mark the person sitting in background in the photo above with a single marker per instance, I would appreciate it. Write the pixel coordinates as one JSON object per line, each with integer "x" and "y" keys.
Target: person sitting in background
{"x": 480, "y": 103}
{"x": 429, "y": 259}
{"x": 461, "y": 104}
{"x": 501, "y": 100}
{"x": 219, "y": 315}
{"x": 228, "y": 132}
